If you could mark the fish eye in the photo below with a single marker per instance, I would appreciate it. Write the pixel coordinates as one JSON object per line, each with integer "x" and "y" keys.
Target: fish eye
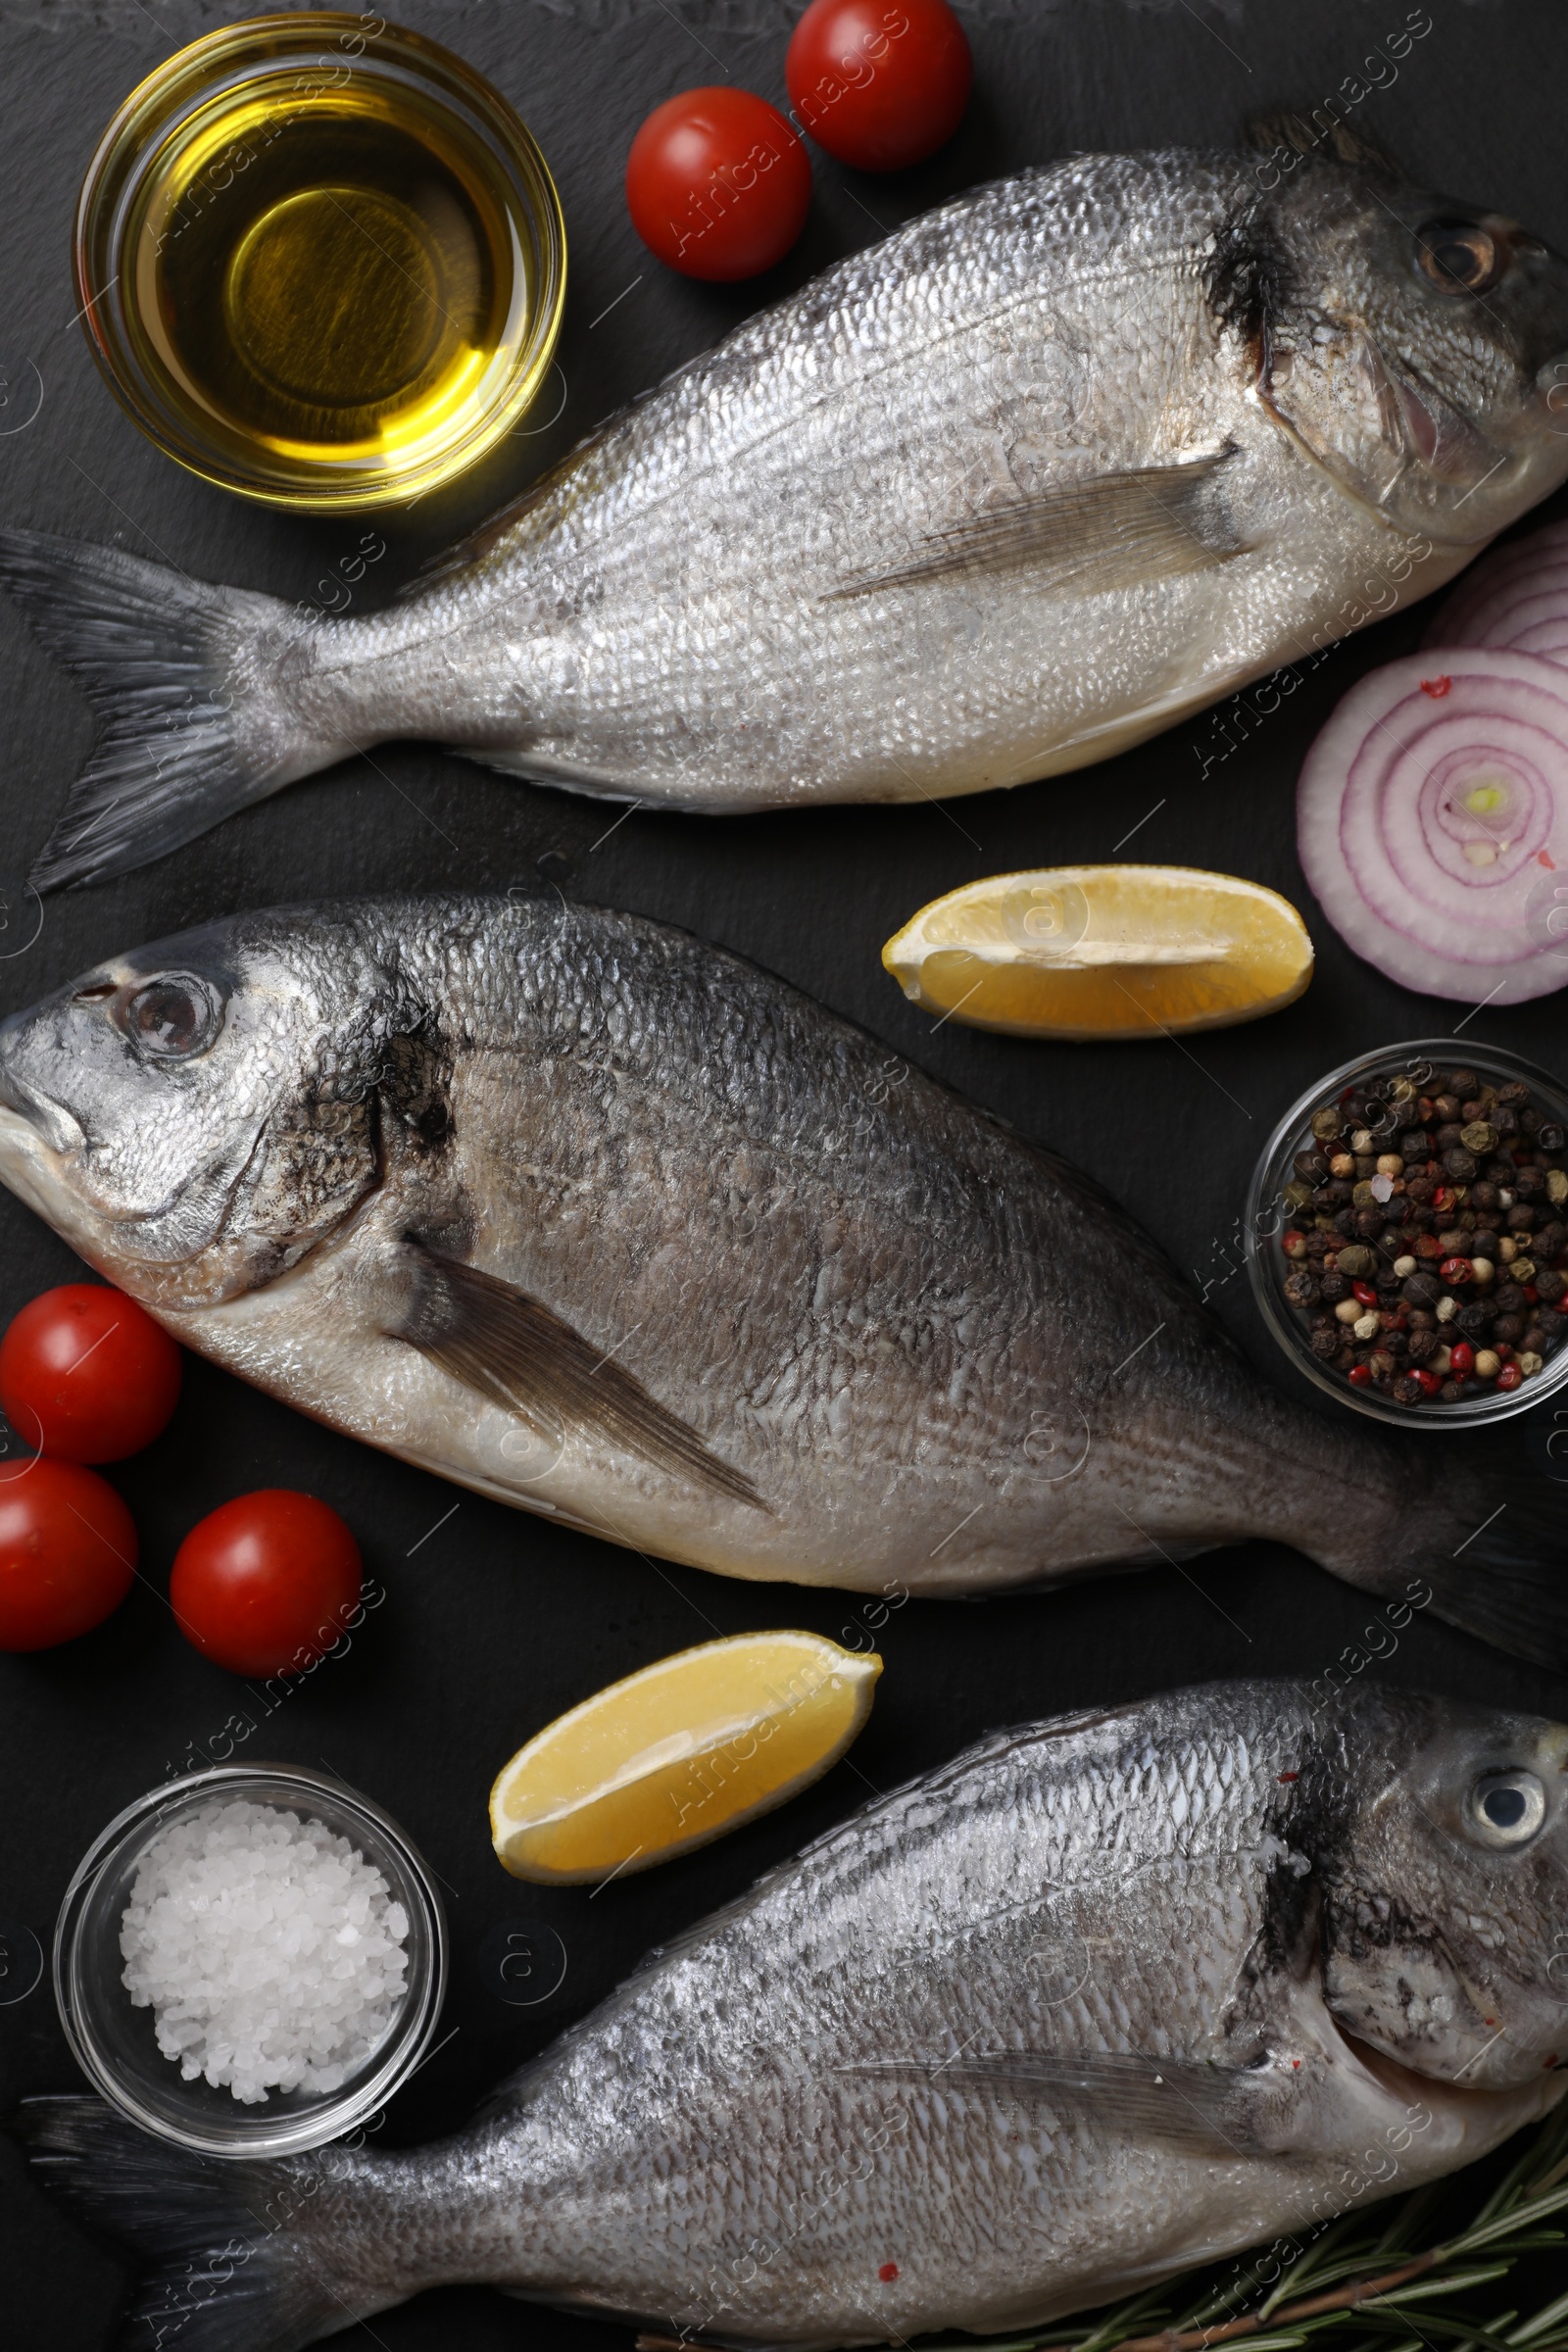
{"x": 1459, "y": 256}
{"x": 174, "y": 1017}
{"x": 1507, "y": 1808}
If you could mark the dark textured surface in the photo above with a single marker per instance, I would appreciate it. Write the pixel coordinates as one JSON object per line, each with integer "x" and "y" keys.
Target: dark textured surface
{"x": 493, "y": 1623}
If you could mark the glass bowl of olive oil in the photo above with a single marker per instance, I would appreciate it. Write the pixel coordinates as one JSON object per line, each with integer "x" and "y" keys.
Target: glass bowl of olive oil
{"x": 320, "y": 260}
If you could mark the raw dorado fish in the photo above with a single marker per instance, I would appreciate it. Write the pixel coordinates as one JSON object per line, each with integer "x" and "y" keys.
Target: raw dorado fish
{"x": 1033, "y": 478}
{"x": 1102, "y": 1999}
{"x": 603, "y": 1221}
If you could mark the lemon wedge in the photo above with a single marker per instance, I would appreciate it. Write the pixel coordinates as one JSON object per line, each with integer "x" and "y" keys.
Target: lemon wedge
{"x": 677, "y": 1753}
{"x": 1085, "y": 952}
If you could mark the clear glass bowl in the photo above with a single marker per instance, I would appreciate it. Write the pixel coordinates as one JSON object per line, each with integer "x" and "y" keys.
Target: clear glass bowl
{"x": 1268, "y": 1214}
{"x": 113, "y": 2041}
{"x": 214, "y": 194}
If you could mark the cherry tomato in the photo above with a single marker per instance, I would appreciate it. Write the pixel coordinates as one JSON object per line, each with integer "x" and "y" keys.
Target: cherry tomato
{"x": 86, "y": 1375}
{"x": 879, "y": 84}
{"x": 67, "y": 1553}
{"x": 267, "y": 1583}
{"x": 717, "y": 183}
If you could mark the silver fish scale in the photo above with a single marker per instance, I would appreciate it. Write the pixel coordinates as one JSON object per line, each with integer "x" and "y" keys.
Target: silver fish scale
{"x": 939, "y": 1357}
{"x": 767, "y": 2135}
{"x": 694, "y": 2152}
{"x": 645, "y": 623}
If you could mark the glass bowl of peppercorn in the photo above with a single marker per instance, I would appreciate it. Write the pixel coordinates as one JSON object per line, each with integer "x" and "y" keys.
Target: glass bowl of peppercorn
{"x": 1407, "y": 1234}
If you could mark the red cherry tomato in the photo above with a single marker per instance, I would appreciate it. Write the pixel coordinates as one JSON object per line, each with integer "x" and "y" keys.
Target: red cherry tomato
{"x": 879, "y": 84}
{"x": 718, "y": 184}
{"x": 86, "y": 1375}
{"x": 267, "y": 1583}
{"x": 67, "y": 1553}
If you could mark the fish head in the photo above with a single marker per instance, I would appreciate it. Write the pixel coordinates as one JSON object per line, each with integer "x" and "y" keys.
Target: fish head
{"x": 1445, "y": 1913}
{"x": 1416, "y": 346}
{"x": 196, "y": 1115}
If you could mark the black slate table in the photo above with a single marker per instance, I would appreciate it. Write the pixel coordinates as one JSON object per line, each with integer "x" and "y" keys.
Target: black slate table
{"x": 494, "y": 1622}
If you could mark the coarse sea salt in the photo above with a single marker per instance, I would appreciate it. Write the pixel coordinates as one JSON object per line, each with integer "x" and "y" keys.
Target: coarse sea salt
{"x": 267, "y": 1948}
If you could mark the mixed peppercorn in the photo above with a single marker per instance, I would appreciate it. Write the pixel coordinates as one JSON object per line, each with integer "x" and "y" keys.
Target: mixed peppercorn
{"x": 1428, "y": 1242}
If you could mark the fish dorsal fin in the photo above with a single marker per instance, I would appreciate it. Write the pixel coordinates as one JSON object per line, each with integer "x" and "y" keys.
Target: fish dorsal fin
{"x": 1216, "y": 2111}
{"x": 1086, "y": 537}
{"x": 519, "y": 1353}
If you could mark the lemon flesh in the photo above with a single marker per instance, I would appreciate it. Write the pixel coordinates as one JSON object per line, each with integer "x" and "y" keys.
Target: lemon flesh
{"x": 678, "y": 1754}
{"x": 1081, "y": 952}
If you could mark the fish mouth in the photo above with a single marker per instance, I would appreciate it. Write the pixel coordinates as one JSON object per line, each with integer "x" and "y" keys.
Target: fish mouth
{"x": 1448, "y": 2094}
{"x": 1404, "y": 2082}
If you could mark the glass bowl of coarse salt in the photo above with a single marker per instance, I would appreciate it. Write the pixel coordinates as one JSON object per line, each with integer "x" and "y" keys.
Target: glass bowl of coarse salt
{"x": 251, "y": 1960}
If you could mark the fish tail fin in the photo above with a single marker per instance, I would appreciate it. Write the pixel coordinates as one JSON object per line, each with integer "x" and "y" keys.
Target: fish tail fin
{"x": 187, "y": 683}
{"x": 1485, "y": 1547}
{"x": 240, "y": 2257}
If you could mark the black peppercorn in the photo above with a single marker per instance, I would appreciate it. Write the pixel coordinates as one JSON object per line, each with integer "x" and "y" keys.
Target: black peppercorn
{"x": 1485, "y": 1151}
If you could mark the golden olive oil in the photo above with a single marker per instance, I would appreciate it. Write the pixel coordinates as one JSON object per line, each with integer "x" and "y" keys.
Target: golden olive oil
{"x": 329, "y": 280}
{"x": 340, "y": 267}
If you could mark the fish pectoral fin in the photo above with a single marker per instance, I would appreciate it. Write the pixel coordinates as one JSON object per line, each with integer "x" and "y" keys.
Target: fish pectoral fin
{"x": 519, "y": 1353}
{"x": 1201, "y": 2110}
{"x": 1087, "y": 537}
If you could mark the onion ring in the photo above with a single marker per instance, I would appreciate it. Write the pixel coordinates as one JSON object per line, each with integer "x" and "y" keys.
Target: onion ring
{"x": 1516, "y": 596}
{"x": 1432, "y": 821}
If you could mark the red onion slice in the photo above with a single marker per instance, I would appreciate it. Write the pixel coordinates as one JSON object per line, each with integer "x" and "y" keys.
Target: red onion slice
{"x": 1517, "y": 597}
{"x": 1432, "y": 821}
